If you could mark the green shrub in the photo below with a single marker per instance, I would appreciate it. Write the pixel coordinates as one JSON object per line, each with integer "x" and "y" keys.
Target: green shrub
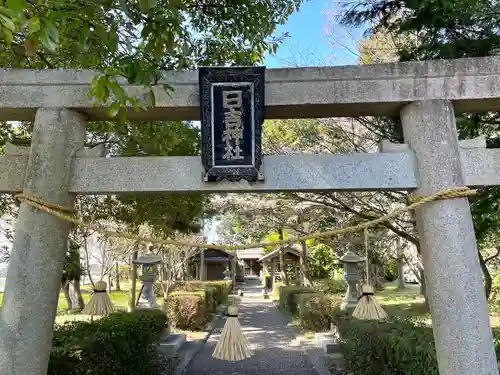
{"x": 330, "y": 286}
{"x": 210, "y": 293}
{"x": 276, "y": 290}
{"x": 121, "y": 343}
{"x": 187, "y": 310}
{"x": 391, "y": 271}
{"x": 287, "y": 297}
{"x": 223, "y": 288}
{"x": 301, "y": 300}
{"x": 317, "y": 312}
{"x": 393, "y": 347}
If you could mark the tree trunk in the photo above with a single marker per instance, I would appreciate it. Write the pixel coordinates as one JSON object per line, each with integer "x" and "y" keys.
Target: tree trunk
{"x": 117, "y": 273}
{"x": 377, "y": 276}
{"x": 488, "y": 281}
{"x": 110, "y": 282}
{"x": 87, "y": 262}
{"x": 400, "y": 264}
{"x": 283, "y": 275}
{"x": 165, "y": 286}
{"x": 423, "y": 289}
{"x": 133, "y": 281}
{"x": 401, "y": 276}
{"x": 421, "y": 276}
{"x": 304, "y": 267}
{"x": 76, "y": 295}
{"x": 65, "y": 288}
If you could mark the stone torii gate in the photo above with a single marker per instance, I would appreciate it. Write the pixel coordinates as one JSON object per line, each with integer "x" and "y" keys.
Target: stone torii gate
{"x": 425, "y": 94}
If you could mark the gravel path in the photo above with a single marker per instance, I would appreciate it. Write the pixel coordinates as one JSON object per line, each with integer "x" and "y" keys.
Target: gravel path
{"x": 270, "y": 338}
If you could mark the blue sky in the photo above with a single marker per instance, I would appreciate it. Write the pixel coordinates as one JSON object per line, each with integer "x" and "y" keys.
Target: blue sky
{"x": 316, "y": 39}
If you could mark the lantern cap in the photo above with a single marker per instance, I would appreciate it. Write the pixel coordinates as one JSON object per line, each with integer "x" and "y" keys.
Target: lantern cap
{"x": 350, "y": 257}
{"x": 147, "y": 260}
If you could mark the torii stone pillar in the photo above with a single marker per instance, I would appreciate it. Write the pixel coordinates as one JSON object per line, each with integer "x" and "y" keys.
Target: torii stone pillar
{"x": 40, "y": 244}
{"x": 460, "y": 318}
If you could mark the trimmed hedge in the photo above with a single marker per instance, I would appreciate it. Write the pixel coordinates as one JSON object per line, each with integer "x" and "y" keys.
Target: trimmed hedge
{"x": 223, "y": 288}
{"x": 302, "y": 299}
{"x": 398, "y": 346}
{"x": 190, "y": 303}
{"x": 210, "y": 297}
{"x": 276, "y": 291}
{"x": 393, "y": 347}
{"x": 288, "y": 297}
{"x": 316, "y": 313}
{"x": 330, "y": 286}
{"x": 188, "y": 310}
{"x": 120, "y": 343}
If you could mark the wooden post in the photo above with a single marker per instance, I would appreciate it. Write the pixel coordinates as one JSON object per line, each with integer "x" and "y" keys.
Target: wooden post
{"x": 401, "y": 276}
{"x": 284, "y": 278}
{"x": 202, "y": 266}
{"x": 133, "y": 281}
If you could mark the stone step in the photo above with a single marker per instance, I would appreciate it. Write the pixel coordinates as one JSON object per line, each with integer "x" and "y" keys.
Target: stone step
{"x": 171, "y": 344}
{"x": 328, "y": 342}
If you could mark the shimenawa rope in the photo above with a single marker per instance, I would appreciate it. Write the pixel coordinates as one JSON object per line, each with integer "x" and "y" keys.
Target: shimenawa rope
{"x": 69, "y": 214}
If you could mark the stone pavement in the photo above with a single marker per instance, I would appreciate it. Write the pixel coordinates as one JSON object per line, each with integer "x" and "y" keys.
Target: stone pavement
{"x": 270, "y": 339}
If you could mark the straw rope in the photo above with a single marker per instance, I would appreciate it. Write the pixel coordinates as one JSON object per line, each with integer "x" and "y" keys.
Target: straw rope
{"x": 69, "y": 214}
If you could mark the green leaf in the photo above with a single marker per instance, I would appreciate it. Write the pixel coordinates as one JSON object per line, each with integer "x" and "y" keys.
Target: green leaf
{"x": 99, "y": 88}
{"x": 7, "y": 22}
{"x": 7, "y": 35}
{"x": 151, "y": 98}
{"x": 146, "y": 5}
{"x": 7, "y": 12}
{"x": 50, "y": 36}
{"x": 123, "y": 116}
{"x": 17, "y": 6}
{"x": 33, "y": 25}
{"x": 93, "y": 86}
{"x": 48, "y": 43}
{"x": 51, "y": 31}
{"x": 114, "y": 109}
{"x": 117, "y": 91}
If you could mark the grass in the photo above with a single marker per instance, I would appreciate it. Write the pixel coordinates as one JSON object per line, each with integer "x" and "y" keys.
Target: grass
{"x": 409, "y": 302}
{"x": 119, "y": 299}
{"x": 402, "y": 302}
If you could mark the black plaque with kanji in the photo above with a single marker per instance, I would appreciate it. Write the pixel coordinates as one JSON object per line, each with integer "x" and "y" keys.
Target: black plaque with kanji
{"x": 232, "y": 112}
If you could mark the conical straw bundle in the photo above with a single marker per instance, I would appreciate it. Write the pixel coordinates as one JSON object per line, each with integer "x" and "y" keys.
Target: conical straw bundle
{"x": 100, "y": 303}
{"x": 232, "y": 345}
{"x": 368, "y": 307}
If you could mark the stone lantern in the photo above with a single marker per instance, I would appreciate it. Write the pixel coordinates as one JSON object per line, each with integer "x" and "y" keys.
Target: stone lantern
{"x": 352, "y": 276}
{"x": 149, "y": 264}
{"x": 227, "y": 274}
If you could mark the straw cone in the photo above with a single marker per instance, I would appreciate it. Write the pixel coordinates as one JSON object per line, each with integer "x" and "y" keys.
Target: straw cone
{"x": 232, "y": 344}
{"x": 368, "y": 307}
{"x": 99, "y": 303}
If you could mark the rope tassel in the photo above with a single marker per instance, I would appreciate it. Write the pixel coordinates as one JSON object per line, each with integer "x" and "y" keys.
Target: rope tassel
{"x": 100, "y": 303}
{"x": 368, "y": 307}
{"x": 232, "y": 345}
